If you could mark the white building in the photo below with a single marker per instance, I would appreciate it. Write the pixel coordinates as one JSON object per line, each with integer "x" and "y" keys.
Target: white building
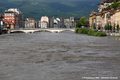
{"x": 44, "y": 22}
{"x": 69, "y": 23}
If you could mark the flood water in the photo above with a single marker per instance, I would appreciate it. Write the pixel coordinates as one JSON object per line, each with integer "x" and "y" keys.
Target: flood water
{"x": 58, "y": 56}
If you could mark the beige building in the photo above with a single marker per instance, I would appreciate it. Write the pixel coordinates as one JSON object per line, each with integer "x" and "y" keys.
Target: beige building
{"x": 30, "y": 23}
{"x": 115, "y": 18}
{"x": 99, "y": 20}
{"x": 44, "y": 22}
{"x": 92, "y": 20}
{"x": 105, "y": 16}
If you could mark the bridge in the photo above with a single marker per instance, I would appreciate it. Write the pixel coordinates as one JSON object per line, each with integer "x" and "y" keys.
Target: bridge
{"x": 53, "y": 30}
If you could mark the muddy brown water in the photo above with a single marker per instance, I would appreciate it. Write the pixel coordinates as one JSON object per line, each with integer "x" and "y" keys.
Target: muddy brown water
{"x": 59, "y": 56}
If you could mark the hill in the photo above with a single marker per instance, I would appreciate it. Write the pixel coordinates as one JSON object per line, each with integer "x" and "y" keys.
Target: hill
{"x": 38, "y": 8}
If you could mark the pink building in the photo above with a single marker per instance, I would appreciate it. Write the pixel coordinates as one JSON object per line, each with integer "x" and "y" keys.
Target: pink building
{"x": 12, "y": 18}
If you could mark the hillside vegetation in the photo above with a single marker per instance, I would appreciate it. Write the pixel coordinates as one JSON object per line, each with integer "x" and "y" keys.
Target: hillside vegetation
{"x": 37, "y": 8}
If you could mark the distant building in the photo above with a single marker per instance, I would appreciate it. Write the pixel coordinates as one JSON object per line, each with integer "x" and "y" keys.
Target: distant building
{"x": 39, "y": 24}
{"x": 55, "y": 23}
{"x": 30, "y": 23}
{"x": 13, "y": 18}
{"x": 58, "y": 22}
{"x": 51, "y": 22}
{"x": 69, "y": 23}
{"x": 44, "y": 22}
{"x": 10, "y": 20}
{"x": 62, "y": 23}
{"x": 1, "y": 22}
{"x": 72, "y": 21}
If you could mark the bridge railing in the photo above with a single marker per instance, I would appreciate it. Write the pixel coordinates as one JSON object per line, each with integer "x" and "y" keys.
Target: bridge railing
{"x": 44, "y": 29}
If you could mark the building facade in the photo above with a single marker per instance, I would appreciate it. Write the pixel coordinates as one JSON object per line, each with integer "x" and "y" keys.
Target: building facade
{"x": 44, "y": 22}
{"x": 13, "y": 18}
{"x": 105, "y": 17}
{"x": 1, "y": 21}
{"x": 30, "y": 23}
{"x": 69, "y": 23}
{"x": 51, "y": 22}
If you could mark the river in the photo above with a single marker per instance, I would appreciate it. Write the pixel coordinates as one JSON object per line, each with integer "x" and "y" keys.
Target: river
{"x": 58, "y": 56}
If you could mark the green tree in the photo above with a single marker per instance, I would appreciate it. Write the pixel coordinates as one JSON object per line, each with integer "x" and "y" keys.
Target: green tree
{"x": 78, "y": 25}
{"x": 118, "y": 28}
{"x": 115, "y": 5}
{"x": 82, "y": 22}
{"x": 108, "y": 27}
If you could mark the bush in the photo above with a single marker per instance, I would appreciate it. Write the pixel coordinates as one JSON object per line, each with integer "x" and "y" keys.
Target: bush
{"x": 76, "y": 30}
{"x": 108, "y": 27}
{"x": 100, "y": 34}
{"x": 82, "y": 30}
{"x": 90, "y": 32}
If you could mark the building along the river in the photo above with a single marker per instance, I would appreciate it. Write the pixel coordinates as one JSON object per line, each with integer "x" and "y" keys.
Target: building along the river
{"x": 30, "y": 23}
{"x": 105, "y": 16}
{"x": 44, "y": 22}
{"x": 69, "y": 22}
{"x": 13, "y": 18}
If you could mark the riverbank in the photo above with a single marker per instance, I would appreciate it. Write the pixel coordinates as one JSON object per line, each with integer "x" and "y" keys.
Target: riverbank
{"x": 114, "y": 34}
{"x": 90, "y": 32}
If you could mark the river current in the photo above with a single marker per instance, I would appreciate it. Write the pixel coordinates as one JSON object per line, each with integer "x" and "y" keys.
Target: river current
{"x": 58, "y": 56}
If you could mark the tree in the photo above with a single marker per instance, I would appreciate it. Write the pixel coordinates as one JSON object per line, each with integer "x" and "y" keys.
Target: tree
{"x": 108, "y": 27}
{"x": 115, "y": 5}
{"x": 82, "y": 22}
{"x": 78, "y": 25}
{"x": 118, "y": 28}
{"x": 114, "y": 28}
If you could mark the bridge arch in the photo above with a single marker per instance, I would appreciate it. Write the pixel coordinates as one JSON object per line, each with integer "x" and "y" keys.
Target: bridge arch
{"x": 17, "y": 32}
{"x": 41, "y": 31}
{"x": 51, "y": 31}
{"x": 67, "y": 30}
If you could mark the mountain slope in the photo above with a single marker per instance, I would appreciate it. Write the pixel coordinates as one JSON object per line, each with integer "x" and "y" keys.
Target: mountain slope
{"x": 37, "y": 8}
